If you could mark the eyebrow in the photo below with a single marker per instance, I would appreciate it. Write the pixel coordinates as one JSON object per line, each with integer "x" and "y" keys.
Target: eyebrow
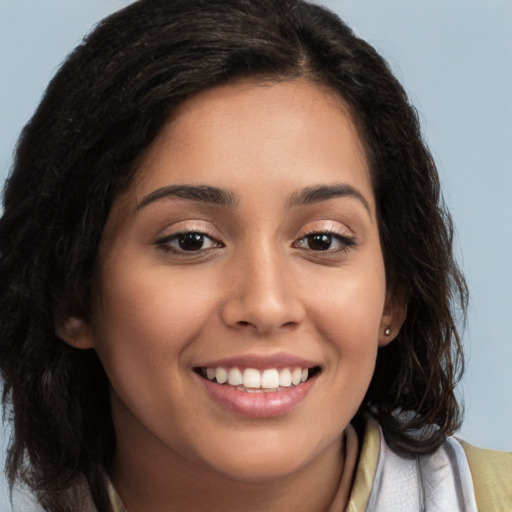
{"x": 201, "y": 193}
{"x": 220, "y": 197}
{"x": 312, "y": 195}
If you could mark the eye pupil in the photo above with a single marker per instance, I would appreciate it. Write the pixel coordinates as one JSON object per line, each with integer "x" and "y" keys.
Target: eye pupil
{"x": 319, "y": 242}
{"x": 191, "y": 241}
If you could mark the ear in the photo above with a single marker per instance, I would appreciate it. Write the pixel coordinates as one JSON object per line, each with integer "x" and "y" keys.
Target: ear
{"x": 76, "y": 332}
{"x": 393, "y": 315}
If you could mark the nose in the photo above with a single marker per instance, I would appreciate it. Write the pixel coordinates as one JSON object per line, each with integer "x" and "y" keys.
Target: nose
{"x": 264, "y": 296}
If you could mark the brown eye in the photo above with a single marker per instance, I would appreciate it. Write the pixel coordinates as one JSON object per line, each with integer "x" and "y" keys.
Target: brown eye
{"x": 319, "y": 242}
{"x": 188, "y": 241}
{"x": 331, "y": 242}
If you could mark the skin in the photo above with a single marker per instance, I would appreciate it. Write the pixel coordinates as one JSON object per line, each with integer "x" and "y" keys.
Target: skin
{"x": 256, "y": 286}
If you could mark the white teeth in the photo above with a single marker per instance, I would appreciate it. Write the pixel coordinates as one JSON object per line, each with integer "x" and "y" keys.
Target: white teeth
{"x": 285, "y": 378}
{"x": 270, "y": 379}
{"x": 235, "y": 377}
{"x": 252, "y": 378}
{"x": 296, "y": 376}
{"x": 221, "y": 375}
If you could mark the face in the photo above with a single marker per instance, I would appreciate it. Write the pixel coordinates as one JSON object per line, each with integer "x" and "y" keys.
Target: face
{"x": 247, "y": 249}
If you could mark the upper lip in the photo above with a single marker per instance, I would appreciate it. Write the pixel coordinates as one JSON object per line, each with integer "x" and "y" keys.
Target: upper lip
{"x": 260, "y": 362}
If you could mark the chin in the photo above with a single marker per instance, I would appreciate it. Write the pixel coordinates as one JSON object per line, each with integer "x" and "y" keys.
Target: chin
{"x": 261, "y": 460}
{"x": 263, "y": 470}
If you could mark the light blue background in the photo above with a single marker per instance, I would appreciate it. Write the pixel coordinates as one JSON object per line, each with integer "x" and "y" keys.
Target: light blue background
{"x": 455, "y": 60}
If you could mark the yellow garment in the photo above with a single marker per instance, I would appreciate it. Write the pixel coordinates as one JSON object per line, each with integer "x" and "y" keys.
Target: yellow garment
{"x": 492, "y": 478}
{"x": 365, "y": 469}
{"x": 115, "y": 500}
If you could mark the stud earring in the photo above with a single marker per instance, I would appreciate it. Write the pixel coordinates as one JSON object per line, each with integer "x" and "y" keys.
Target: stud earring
{"x": 387, "y": 331}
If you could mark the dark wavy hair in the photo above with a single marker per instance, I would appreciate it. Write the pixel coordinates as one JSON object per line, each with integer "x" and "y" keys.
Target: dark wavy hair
{"x": 80, "y": 150}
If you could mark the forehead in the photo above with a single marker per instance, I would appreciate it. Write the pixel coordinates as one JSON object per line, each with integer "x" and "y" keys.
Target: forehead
{"x": 254, "y": 138}
{"x": 263, "y": 121}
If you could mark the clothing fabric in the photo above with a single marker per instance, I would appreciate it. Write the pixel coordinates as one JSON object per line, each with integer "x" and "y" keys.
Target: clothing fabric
{"x": 492, "y": 476}
{"x": 457, "y": 477}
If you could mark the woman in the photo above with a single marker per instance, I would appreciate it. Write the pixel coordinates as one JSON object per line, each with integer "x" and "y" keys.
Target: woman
{"x": 227, "y": 278}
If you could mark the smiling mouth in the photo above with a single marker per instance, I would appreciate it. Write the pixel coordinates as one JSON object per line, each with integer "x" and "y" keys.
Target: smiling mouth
{"x": 252, "y": 380}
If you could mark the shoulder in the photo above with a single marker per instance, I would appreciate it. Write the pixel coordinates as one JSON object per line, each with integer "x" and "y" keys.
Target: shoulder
{"x": 492, "y": 477}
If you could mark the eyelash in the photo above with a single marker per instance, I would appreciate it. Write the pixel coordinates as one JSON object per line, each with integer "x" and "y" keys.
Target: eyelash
{"x": 164, "y": 243}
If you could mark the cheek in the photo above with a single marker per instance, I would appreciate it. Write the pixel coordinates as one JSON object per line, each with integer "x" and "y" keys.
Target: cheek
{"x": 146, "y": 319}
{"x": 348, "y": 315}
{"x": 146, "y": 322}
{"x": 349, "y": 309}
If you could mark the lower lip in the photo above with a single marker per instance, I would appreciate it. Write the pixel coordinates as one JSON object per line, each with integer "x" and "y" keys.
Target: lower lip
{"x": 258, "y": 405}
